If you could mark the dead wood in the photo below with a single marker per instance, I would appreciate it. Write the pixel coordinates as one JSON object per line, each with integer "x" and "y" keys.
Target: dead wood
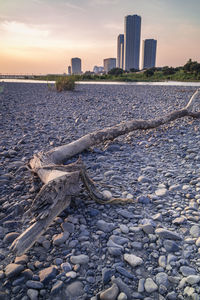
{"x": 63, "y": 181}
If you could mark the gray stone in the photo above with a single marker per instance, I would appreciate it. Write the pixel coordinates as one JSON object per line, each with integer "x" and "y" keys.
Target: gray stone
{"x": 66, "y": 267}
{"x": 124, "y": 228}
{"x": 148, "y": 228}
{"x": 141, "y": 285}
{"x": 60, "y": 238}
{"x": 162, "y": 261}
{"x": 119, "y": 240}
{"x": 193, "y": 279}
{"x": 198, "y": 242}
{"x": 195, "y": 231}
{"x": 161, "y": 192}
{"x": 186, "y": 271}
{"x": 157, "y": 217}
{"x": 79, "y": 259}
{"x": 13, "y": 270}
{"x": 21, "y": 259}
{"x": 171, "y": 246}
{"x": 166, "y": 234}
{"x": 106, "y": 275}
{"x": 133, "y": 260}
{"x": 180, "y": 220}
{"x": 32, "y": 294}
{"x": 37, "y": 285}
{"x": 125, "y": 213}
{"x": 75, "y": 289}
{"x": 123, "y": 287}
{"x": 122, "y": 296}
{"x": 69, "y": 227}
{"x": 111, "y": 293}
{"x": 105, "y": 227}
{"x": 188, "y": 291}
{"x": 47, "y": 274}
{"x": 150, "y": 286}
{"x": 57, "y": 287}
{"x": 162, "y": 278}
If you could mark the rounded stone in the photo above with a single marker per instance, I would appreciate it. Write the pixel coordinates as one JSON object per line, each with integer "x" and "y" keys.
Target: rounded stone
{"x": 133, "y": 260}
{"x": 111, "y": 293}
{"x": 150, "y": 286}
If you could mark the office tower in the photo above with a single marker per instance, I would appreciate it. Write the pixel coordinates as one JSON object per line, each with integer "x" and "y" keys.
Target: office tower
{"x": 108, "y": 64}
{"x": 149, "y": 53}
{"x": 69, "y": 70}
{"x": 76, "y": 65}
{"x": 120, "y": 51}
{"x": 132, "y": 29}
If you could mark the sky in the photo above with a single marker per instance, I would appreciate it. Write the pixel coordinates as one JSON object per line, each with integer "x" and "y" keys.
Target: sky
{"x": 41, "y": 36}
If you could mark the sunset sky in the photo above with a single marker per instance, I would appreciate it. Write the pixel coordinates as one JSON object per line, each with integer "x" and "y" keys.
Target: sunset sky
{"x": 41, "y": 36}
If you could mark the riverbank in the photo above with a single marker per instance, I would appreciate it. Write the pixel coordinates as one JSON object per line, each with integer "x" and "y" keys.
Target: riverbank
{"x": 144, "y": 250}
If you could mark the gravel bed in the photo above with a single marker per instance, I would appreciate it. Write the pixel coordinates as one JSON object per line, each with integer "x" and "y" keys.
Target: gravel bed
{"x": 149, "y": 249}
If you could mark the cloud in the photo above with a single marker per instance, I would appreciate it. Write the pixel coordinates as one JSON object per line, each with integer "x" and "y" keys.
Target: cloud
{"x": 74, "y": 7}
{"x": 22, "y": 29}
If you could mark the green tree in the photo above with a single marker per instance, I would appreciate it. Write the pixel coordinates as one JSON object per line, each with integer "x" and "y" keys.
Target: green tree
{"x": 116, "y": 71}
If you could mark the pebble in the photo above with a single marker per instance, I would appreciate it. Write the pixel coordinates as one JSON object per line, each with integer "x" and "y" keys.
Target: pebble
{"x": 104, "y": 226}
{"x": 12, "y": 270}
{"x": 79, "y": 259}
{"x": 167, "y": 234}
{"x": 47, "y": 274}
{"x": 111, "y": 293}
{"x": 150, "y": 286}
{"x": 133, "y": 260}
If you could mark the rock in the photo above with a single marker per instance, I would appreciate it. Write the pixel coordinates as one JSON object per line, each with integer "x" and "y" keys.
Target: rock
{"x": 162, "y": 261}
{"x": 141, "y": 285}
{"x": 68, "y": 227}
{"x": 188, "y": 291}
{"x": 79, "y": 259}
{"x": 186, "y": 271}
{"x": 166, "y": 234}
{"x": 122, "y": 287}
{"x": 179, "y": 221}
{"x": 60, "y": 239}
{"x": 198, "y": 242}
{"x": 32, "y": 294}
{"x": 171, "y": 246}
{"x": 47, "y": 274}
{"x": 125, "y": 213}
{"x": 124, "y": 272}
{"x": 105, "y": 227}
{"x": 143, "y": 200}
{"x": 107, "y": 195}
{"x": 193, "y": 279}
{"x": 37, "y": 285}
{"x": 118, "y": 239}
{"x": 12, "y": 270}
{"x": 75, "y": 290}
{"x": 57, "y": 287}
{"x": 21, "y": 259}
{"x": 122, "y": 296}
{"x": 106, "y": 275}
{"x": 195, "y": 231}
{"x": 133, "y": 260}
{"x": 150, "y": 286}
{"x": 143, "y": 179}
{"x": 71, "y": 274}
{"x": 10, "y": 237}
{"x": 66, "y": 267}
{"x": 162, "y": 278}
{"x": 161, "y": 192}
{"x": 124, "y": 228}
{"x": 148, "y": 228}
{"x": 157, "y": 217}
{"x": 111, "y": 293}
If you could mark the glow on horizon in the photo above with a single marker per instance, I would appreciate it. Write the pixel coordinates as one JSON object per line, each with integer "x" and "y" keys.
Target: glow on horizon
{"x": 41, "y": 36}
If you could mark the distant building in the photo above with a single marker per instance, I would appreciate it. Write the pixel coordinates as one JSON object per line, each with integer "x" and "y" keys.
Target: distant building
{"x": 149, "y": 53}
{"x": 132, "y": 30}
{"x": 120, "y": 51}
{"x": 109, "y": 64}
{"x": 98, "y": 70}
{"x": 76, "y": 65}
{"x": 69, "y": 70}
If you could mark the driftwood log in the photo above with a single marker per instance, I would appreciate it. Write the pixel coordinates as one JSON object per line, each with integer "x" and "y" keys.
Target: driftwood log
{"x": 61, "y": 182}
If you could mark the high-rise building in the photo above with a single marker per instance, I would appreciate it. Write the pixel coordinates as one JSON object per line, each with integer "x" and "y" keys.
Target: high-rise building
{"x": 109, "y": 64}
{"x": 76, "y": 65}
{"x": 149, "y": 53}
{"x": 132, "y": 30}
{"x": 69, "y": 70}
{"x": 120, "y": 51}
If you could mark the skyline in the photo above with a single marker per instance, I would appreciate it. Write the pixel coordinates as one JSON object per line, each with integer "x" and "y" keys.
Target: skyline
{"x": 41, "y": 36}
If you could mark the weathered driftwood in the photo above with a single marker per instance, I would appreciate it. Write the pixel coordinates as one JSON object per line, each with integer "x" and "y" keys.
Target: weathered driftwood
{"x": 63, "y": 181}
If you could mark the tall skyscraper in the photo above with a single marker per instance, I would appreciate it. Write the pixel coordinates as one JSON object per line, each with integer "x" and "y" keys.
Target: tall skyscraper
{"x": 132, "y": 30}
{"x": 120, "y": 51}
{"x": 149, "y": 53}
{"x": 109, "y": 64}
{"x": 76, "y": 65}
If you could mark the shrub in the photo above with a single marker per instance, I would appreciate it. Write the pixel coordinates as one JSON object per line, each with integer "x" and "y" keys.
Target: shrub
{"x": 66, "y": 83}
